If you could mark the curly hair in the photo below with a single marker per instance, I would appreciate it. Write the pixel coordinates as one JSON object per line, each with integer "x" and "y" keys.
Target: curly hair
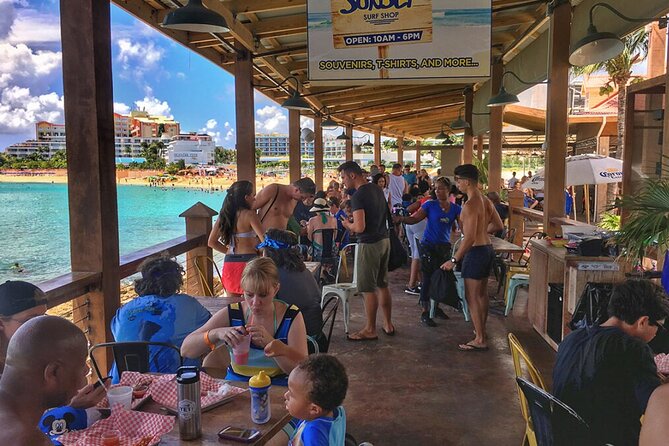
{"x": 327, "y": 378}
{"x": 235, "y": 200}
{"x": 285, "y": 258}
{"x": 635, "y": 298}
{"x": 161, "y": 276}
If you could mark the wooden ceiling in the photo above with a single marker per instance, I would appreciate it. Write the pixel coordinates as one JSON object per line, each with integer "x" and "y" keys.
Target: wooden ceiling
{"x": 275, "y": 32}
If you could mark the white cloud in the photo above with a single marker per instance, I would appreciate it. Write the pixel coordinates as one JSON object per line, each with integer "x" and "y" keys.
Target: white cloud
{"x": 137, "y": 59}
{"x": 271, "y": 119}
{"x": 212, "y": 129}
{"x": 20, "y": 110}
{"x": 154, "y": 106}
{"x": 35, "y": 28}
{"x": 121, "y": 108}
{"x": 306, "y": 122}
{"x": 7, "y": 16}
{"x": 211, "y": 124}
{"x": 20, "y": 65}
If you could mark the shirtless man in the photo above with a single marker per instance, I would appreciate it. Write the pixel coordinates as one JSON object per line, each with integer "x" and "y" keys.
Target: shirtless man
{"x": 475, "y": 253}
{"x": 276, "y": 202}
{"x": 46, "y": 364}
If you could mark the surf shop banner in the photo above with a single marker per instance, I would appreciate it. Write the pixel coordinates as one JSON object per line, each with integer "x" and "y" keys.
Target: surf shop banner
{"x": 398, "y": 40}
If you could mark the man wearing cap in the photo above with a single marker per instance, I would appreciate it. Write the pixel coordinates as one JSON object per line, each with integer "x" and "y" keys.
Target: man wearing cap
{"x": 475, "y": 253}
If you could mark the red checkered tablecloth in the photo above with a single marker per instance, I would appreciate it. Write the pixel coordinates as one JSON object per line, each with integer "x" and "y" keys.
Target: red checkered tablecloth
{"x": 662, "y": 363}
{"x": 132, "y": 379}
{"x": 134, "y": 427}
{"x": 164, "y": 391}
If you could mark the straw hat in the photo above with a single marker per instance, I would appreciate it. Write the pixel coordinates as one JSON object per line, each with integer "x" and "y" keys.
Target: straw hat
{"x": 320, "y": 205}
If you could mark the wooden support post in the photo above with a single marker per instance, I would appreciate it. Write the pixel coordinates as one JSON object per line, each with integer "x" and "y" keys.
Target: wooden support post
{"x": 495, "y": 139}
{"x": 400, "y": 150}
{"x": 377, "y": 147}
{"x": 349, "y": 142}
{"x": 89, "y": 123}
{"x": 417, "y": 165}
{"x": 198, "y": 222}
{"x": 557, "y": 125}
{"x": 657, "y": 41}
{"x": 600, "y": 189}
{"x": 294, "y": 143}
{"x": 446, "y": 170}
{"x": 318, "y": 153}
{"x": 479, "y": 147}
{"x": 468, "y": 153}
{"x": 244, "y": 115}
{"x": 515, "y": 199}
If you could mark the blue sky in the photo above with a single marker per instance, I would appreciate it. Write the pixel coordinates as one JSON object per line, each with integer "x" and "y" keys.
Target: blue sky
{"x": 150, "y": 71}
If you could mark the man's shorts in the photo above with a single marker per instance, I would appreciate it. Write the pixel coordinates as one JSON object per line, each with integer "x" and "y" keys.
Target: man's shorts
{"x": 477, "y": 262}
{"x": 233, "y": 266}
{"x": 414, "y": 231}
{"x": 372, "y": 272}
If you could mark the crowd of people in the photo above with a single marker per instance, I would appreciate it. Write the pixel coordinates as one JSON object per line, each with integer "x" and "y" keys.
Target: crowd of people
{"x": 606, "y": 373}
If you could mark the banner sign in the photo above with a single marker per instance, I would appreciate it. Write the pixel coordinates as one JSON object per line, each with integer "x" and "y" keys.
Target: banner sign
{"x": 405, "y": 40}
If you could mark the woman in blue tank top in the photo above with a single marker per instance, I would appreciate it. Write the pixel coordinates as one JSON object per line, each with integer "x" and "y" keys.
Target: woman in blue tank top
{"x": 277, "y": 330}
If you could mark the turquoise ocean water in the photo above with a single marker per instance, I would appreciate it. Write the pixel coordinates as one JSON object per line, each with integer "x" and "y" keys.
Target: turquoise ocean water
{"x": 34, "y": 224}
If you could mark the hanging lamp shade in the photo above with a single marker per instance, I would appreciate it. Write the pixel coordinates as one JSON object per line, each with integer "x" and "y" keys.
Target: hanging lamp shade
{"x": 195, "y": 17}
{"x": 447, "y": 141}
{"x": 296, "y": 102}
{"x": 367, "y": 144}
{"x": 502, "y": 98}
{"x": 442, "y": 134}
{"x": 595, "y": 47}
{"x": 343, "y": 136}
{"x": 329, "y": 123}
{"x": 459, "y": 123}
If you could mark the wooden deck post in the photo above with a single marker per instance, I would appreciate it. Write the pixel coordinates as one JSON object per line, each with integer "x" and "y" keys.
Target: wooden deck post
{"x": 318, "y": 153}
{"x": 294, "y": 143}
{"x": 468, "y": 153}
{"x": 349, "y": 142}
{"x": 495, "y": 139}
{"x": 417, "y": 165}
{"x": 244, "y": 115}
{"x": 377, "y": 147}
{"x": 557, "y": 125}
{"x": 198, "y": 222}
{"x": 400, "y": 150}
{"x": 516, "y": 222}
{"x": 89, "y": 123}
{"x": 479, "y": 147}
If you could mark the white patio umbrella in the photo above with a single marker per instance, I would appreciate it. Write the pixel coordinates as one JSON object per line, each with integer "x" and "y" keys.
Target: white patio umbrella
{"x": 584, "y": 170}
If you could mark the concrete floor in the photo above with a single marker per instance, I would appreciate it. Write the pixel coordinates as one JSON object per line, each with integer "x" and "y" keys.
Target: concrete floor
{"x": 417, "y": 388}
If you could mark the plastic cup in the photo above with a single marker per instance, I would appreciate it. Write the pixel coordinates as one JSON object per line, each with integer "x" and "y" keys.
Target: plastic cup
{"x": 120, "y": 396}
{"x": 241, "y": 350}
{"x": 111, "y": 438}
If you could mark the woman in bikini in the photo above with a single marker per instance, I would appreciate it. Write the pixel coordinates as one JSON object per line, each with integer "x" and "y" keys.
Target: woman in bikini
{"x": 278, "y": 333}
{"x": 236, "y": 234}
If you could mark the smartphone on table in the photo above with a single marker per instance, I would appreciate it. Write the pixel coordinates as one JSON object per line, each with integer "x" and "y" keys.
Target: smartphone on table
{"x": 240, "y": 434}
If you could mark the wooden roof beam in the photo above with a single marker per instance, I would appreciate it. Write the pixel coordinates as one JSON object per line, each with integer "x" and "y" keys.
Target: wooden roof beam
{"x": 254, "y": 6}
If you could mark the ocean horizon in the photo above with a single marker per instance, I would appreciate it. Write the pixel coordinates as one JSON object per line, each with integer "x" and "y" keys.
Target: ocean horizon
{"x": 34, "y": 227}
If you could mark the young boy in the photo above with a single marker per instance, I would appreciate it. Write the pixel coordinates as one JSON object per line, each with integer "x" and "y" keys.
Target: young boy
{"x": 316, "y": 389}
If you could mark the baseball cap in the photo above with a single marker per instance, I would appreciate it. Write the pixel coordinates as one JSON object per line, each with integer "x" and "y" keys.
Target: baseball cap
{"x": 17, "y": 296}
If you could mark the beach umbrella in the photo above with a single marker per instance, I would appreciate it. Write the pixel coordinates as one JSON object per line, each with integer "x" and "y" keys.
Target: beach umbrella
{"x": 584, "y": 170}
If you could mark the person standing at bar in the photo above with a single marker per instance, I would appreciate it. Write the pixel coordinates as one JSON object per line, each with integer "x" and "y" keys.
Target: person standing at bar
{"x": 276, "y": 202}
{"x": 370, "y": 216}
{"x": 475, "y": 254}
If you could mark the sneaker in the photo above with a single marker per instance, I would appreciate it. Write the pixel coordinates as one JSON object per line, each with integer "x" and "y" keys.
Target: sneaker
{"x": 439, "y": 313}
{"x": 414, "y": 291}
{"x": 425, "y": 320}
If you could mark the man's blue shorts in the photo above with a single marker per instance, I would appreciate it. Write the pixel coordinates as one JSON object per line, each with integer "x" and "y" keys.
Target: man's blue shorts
{"x": 477, "y": 262}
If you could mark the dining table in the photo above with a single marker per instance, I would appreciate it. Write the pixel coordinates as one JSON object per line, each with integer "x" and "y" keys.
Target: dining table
{"x": 235, "y": 412}
{"x": 501, "y": 246}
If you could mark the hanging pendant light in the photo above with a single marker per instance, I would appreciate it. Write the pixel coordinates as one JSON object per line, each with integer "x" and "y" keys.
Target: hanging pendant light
{"x": 367, "y": 144}
{"x": 503, "y": 97}
{"x": 460, "y": 123}
{"x": 343, "y": 136}
{"x": 195, "y": 17}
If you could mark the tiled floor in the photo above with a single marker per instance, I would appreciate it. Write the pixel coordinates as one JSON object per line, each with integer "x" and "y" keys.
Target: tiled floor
{"x": 417, "y": 389}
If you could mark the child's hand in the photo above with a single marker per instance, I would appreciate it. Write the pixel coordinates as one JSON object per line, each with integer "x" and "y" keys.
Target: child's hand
{"x": 275, "y": 348}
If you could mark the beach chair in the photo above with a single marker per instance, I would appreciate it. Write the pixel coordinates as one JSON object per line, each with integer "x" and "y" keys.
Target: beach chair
{"x": 345, "y": 290}
{"x": 132, "y": 356}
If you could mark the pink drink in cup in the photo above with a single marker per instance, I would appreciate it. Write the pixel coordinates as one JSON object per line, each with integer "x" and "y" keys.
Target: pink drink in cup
{"x": 241, "y": 350}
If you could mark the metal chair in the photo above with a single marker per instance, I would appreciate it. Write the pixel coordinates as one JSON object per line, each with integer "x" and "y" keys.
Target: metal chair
{"x": 518, "y": 353}
{"x": 345, "y": 290}
{"x": 199, "y": 263}
{"x": 329, "y": 314}
{"x": 132, "y": 356}
{"x": 522, "y": 266}
{"x": 555, "y": 423}
{"x": 326, "y": 251}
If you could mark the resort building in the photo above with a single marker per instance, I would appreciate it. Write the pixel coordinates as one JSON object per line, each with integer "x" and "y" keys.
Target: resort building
{"x": 192, "y": 148}
{"x": 275, "y": 147}
{"x": 143, "y": 125}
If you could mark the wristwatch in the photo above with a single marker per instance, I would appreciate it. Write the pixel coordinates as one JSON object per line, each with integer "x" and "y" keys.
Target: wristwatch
{"x": 454, "y": 260}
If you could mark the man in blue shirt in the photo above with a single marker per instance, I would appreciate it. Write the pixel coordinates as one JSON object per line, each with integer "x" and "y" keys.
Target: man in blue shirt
{"x": 409, "y": 176}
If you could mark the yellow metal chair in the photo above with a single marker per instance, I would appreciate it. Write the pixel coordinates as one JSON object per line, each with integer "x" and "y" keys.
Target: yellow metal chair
{"x": 200, "y": 263}
{"x": 518, "y": 353}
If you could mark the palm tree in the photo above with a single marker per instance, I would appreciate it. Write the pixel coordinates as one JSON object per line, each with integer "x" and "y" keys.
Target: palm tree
{"x": 619, "y": 70}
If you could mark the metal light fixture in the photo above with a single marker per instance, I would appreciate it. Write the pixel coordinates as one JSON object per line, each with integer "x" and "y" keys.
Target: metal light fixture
{"x": 460, "y": 123}
{"x": 295, "y": 102}
{"x": 367, "y": 144}
{"x": 195, "y": 17}
{"x": 328, "y": 123}
{"x": 503, "y": 97}
{"x": 442, "y": 134}
{"x": 597, "y": 46}
{"x": 448, "y": 141}
{"x": 343, "y": 136}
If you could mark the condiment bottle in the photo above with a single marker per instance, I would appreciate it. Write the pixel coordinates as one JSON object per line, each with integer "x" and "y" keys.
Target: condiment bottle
{"x": 260, "y": 409}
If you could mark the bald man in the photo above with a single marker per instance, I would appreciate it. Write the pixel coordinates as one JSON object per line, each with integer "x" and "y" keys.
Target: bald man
{"x": 46, "y": 365}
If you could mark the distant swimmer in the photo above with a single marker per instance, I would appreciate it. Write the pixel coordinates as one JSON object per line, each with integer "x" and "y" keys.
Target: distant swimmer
{"x": 17, "y": 268}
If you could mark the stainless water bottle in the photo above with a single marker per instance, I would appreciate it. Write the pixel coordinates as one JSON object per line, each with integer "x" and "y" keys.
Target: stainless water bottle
{"x": 189, "y": 410}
